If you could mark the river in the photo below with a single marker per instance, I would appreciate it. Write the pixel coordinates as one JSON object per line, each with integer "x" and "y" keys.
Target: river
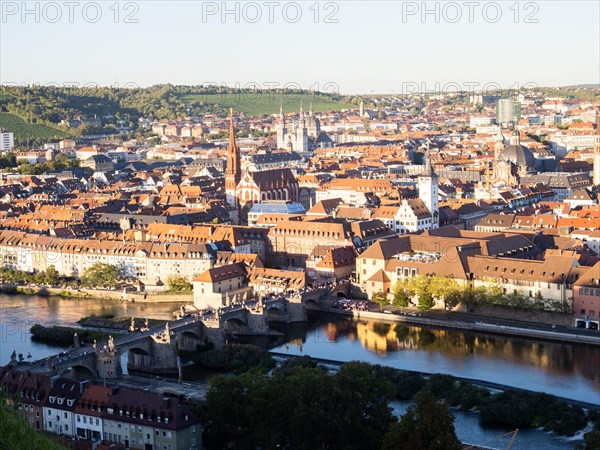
{"x": 19, "y": 312}
{"x": 566, "y": 370}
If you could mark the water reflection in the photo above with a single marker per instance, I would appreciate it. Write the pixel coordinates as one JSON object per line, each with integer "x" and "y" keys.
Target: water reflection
{"x": 562, "y": 369}
{"x": 18, "y": 313}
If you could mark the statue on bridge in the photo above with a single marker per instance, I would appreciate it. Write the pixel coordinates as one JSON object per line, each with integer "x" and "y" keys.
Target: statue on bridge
{"x": 132, "y": 325}
{"x": 167, "y": 329}
{"x": 111, "y": 343}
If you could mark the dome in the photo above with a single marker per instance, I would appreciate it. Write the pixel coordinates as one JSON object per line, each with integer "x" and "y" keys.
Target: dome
{"x": 517, "y": 154}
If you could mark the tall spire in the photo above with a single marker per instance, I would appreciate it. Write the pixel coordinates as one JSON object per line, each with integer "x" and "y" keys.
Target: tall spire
{"x": 427, "y": 162}
{"x": 302, "y": 119}
{"x": 231, "y": 130}
{"x": 310, "y": 111}
{"x": 233, "y": 174}
{"x": 281, "y": 114}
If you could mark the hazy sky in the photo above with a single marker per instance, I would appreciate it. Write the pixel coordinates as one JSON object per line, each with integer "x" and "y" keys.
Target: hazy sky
{"x": 350, "y": 46}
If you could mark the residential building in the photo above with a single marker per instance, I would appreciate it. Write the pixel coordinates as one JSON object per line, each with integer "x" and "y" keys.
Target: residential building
{"x": 7, "y": 141}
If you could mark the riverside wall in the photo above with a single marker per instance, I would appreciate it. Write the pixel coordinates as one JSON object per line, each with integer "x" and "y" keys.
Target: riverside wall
{"x": 481, "y": 326}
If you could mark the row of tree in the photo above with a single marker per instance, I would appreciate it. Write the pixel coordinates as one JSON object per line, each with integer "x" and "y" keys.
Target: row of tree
{"x": 99, "y": 275}
{"x": 427, "y": 289}
{"x": 301, "y": 406}
{"x": 62, "y": 162}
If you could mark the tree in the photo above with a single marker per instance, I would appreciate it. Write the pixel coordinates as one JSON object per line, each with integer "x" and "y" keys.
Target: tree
{"x": 445, "y": 289}
{"x": 300, "y": 407}
{"x": 52, "y": 277}
{"x": 381, "y": 299}
{"x": 178, "y": 283}
{"x": 427, "y": 425}
{"x": 420, "y": 286}
{"x": 100, "y": 275}
{"x": 401, "y": 298}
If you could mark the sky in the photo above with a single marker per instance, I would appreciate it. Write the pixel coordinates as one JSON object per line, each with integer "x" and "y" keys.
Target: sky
{"x": 350, "y": 47}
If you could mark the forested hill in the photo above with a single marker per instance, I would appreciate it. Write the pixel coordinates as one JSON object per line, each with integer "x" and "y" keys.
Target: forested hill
{"x": 38, "y": 113}
{"x": 49, "y": 104}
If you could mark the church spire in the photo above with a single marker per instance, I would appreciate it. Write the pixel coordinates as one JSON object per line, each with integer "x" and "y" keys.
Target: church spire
{"x": 233, "y": 174}
{"x": 302, "y": 119}
{"x": 231, "y": 130}
{"x": 281, "y": 114}
{"x": 428, "y": 168}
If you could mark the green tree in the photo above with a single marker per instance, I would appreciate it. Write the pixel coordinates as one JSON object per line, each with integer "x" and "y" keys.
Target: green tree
{"x": 427, "y": 425}
{"x": 420, "y": 286}
{"x": 401, "y": 298}
{"x": 52, "y": 277}
{"x": 16, "y": 432}
{"x": 381, "y": 299}
{"x": 300, "y": 407}
{"x": 100, "y": 275}
{"x": 445, "y": 289}
{"x": 178, "y": 283}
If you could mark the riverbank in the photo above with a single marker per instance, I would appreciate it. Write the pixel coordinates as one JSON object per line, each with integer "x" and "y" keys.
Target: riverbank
{"x": 101, "y": 294}
{"x": 456, "y": 321}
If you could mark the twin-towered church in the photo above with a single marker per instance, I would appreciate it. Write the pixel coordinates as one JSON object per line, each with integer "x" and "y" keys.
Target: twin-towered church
{"x": 244, "y": 188}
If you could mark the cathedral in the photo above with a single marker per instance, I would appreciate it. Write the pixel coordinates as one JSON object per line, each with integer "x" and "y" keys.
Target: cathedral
{"x": 511, "y": 162}
{"x": 244, "y": 188}
{"x": 301, "y": 136}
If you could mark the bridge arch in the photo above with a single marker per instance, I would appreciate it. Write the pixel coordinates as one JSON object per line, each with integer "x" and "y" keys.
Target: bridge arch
{"x": 234, "y": 325}
{"x": 78, "y": 372}
{"x": 138, "y": 359}
{"x": 189, "y": 340}
{"x": 275, "y": 313}
{"x": 311, "y": 304}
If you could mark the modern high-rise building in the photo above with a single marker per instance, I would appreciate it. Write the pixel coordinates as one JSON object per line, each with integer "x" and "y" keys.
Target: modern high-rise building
{"x": 7, "y": 141}
{"x": 507, "y": 111}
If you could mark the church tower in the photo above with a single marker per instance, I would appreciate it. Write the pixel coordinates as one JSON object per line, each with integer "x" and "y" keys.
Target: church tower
{"x": 301, "y": 137}
{"x": 596, "y": 169}
{"x": 282, "y": 131}
{"x": 233, "y": 174}
{"x": 427, "y": 183}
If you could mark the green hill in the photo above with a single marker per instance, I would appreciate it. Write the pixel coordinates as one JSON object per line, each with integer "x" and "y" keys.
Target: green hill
{"x": 256, "y": 104}
{"x": 28, "y": 131}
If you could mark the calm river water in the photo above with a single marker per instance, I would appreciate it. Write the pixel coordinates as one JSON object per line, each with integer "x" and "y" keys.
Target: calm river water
{"x": 571, "y": 371}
